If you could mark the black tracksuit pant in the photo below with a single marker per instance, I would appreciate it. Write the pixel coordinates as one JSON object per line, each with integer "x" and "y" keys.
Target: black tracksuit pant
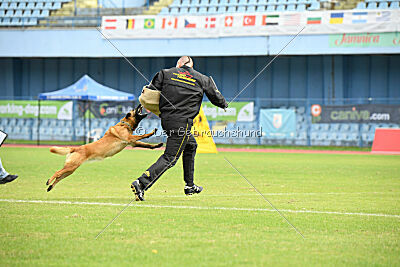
{"x": 179, "y": 140}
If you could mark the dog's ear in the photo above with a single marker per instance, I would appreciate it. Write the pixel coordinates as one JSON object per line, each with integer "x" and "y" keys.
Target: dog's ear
{"x": 127, "y": 115}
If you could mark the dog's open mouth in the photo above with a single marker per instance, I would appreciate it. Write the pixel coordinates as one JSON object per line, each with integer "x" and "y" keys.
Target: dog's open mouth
{"x": 139, "y": 113}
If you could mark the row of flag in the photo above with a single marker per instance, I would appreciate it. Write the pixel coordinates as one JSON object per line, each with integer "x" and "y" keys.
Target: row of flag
{"x": 209, "y": 22}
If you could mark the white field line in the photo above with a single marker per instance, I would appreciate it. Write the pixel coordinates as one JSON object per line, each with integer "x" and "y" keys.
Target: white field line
{"x": 288, "y": 194}
{"x": 196, "y": 207}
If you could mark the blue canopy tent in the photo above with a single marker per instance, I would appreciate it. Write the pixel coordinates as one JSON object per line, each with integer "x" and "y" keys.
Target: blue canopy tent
{"x": 85, "y": 89}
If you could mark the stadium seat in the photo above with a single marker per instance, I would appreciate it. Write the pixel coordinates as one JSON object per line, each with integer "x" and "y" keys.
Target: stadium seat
{"x": 383, "y": 5}
{"x": 223, "y": 3}
{"x": 221, "y": 9}
{"x": 202, "y": 10}
{"x": 301, "y": 8}
{"x": 56, "y": 6}
{"x": 315, "y": 6}
{"x": 252, "y": 2}
{"x": 241, "y": 9}
{"x": 204, "y": 3}
{"x": 291, "y": 8}
{"x": 394, "y": 5}
{"x": 21, "y": 5}
{"x": 243, "y": 2}
{"x": 345, "y": 127}
{"x": 280, "y": 8}
{"x": 214, "y": 3}
{"x": 174, "y": 11}
{"x": 164, "y": 11}
{"x": 195, "y": 3}
{"x": 192, "y": 10}
{"x": 372, "y": 5}
{"x": 361, "y": 5}
{"x": 212, "y": 10}
{"x": 12, "y": 6}
{"x": 270, "y": 8}
{"x": 176, "y": 3}
{"x": 39, "y": 5}
{"x": 18, "y": 13}
{"x": 9, "y": 13}
{"x": 251, "y": 9}
{"x": 260, "y": 9}
{"x": 183, "y": 10}
{"x": 233, "y": 2}
{"x": 48, "y": 5}
{"x": 231, "y": 9}
{"x": 185, "y": 3}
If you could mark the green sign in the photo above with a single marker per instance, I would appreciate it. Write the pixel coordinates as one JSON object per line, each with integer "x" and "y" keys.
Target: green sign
{"x": 237, "y": 111}
{"x": 386, "y": 39}
{"x": 61, "y": 110}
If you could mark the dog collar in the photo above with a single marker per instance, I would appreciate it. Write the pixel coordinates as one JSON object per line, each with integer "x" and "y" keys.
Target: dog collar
{"x": 130, "y": 127}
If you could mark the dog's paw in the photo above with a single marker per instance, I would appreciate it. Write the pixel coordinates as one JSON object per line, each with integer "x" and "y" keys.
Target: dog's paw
{"x": 50, "y": 187}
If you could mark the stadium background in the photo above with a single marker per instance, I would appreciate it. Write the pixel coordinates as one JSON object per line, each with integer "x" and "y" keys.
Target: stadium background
{"x": 48, "y": 45}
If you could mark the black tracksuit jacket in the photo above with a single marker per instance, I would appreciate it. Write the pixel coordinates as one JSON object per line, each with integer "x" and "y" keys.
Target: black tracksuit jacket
{"x": 182, "y": 91}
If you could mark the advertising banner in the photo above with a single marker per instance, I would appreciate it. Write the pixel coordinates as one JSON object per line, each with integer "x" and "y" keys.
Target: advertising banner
{"x": 367, "y": 113}
{"x": 237, "y": 111}
{"x": 61, "y": 110}
{"x": 278, "y": 123}
{"x": 251, "y": 24}
{"x": 387, "y": 39}
{"x": 106, "y": 109}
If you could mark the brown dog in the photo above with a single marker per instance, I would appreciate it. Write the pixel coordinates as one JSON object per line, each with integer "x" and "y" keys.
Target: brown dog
{"x": 114, "y": 140}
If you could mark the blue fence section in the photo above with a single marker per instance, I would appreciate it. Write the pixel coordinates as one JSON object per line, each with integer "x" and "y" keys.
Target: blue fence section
{"x": 291, "y": 77}
{"x": 306, "y": 133}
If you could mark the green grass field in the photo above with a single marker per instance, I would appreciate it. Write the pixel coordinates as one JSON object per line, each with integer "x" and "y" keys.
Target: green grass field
{"x": 227, "y": 224}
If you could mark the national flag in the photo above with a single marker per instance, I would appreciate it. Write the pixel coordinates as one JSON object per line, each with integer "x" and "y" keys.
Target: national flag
{"x": 210, "y": 22}
{"x": 110, "y": 24}
{"x": 130, "y": 23}
{"x": 169, "y": 23}
{"x": 336, "y": 18}
{"x": 228, "y": 21}
{"x": 314, "y": 20}
{"x": 189, "y": 25}
{"x": 270, "y": 20}
{"x": 249, "y": 20}
{"x": 291, "y": 19}
{"x": 382, "y": 16}
{"x": 359, "y": 17}
{"x": 149, "y": 23}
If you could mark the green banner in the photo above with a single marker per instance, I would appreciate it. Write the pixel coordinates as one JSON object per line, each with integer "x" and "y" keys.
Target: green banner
{"x": 237, "y": 111}
{"x": 386, "y": 39}
{"x": 61, "y": 110}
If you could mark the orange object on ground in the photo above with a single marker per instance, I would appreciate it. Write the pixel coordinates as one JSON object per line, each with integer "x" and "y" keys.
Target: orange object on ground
{"x": 386, "y": 140}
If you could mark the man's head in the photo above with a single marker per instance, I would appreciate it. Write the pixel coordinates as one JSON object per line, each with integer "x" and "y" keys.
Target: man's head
{"x": 184, "y": 61}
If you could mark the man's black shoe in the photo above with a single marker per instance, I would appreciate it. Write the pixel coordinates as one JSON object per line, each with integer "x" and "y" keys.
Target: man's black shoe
{"x": 190, "y": 190}
{"x": 8, "y": 178}
{"x": 137, "y": 189}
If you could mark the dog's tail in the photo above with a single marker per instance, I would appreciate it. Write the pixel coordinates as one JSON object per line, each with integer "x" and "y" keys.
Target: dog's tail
{"x": 61, "y": 150}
